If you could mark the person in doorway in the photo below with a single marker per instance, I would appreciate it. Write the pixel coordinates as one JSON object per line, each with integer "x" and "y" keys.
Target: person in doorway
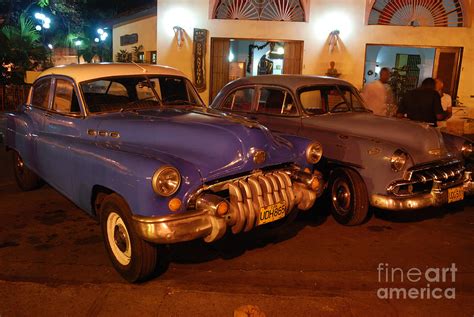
{"x": 265, "y": 66}
{"x": 378, "y": 94}
{"x": 446, "y": 100}
{"x": 422, "y": 104}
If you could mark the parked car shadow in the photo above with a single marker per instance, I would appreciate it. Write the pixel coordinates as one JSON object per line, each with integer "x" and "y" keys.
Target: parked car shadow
{"x": 422, "y": 214}
{"x": 232, "y": 246}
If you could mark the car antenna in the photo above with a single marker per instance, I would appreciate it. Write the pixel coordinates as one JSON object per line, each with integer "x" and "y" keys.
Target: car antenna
{"x": 142, "y": 68}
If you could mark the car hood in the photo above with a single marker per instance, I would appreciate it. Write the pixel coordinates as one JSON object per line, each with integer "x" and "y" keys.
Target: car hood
{"x": 422, "y": 142}
{"x": 215, "y": 144}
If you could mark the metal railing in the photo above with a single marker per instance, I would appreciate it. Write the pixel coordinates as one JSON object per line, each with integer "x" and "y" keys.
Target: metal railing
{"x": 12, "y": 96}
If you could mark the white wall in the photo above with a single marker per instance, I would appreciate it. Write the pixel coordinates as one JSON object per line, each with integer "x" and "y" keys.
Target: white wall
{"x": 348, "y": 16}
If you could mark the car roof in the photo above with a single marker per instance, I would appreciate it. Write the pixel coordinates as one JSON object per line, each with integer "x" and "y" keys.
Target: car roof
{"x": 85, "y": 72}
{"x": 291, "y": 82}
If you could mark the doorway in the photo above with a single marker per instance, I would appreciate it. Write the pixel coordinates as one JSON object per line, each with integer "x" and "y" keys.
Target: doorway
{"x": 410, "y": 65}
{"x": 236, "y": 58}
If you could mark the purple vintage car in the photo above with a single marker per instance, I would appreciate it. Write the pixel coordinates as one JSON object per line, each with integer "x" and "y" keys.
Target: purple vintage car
{"x": 389, "y": 163}
{"x": 134, "y": 146}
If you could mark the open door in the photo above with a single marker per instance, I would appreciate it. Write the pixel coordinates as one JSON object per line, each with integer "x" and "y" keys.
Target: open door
{"x": 447, "y": 68}
{"x": 219, "y": 66}
{"x": 293, "y": 60}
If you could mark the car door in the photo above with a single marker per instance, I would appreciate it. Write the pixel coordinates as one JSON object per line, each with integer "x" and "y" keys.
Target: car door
{"x": 277, "y": 109}
{"x": 61, "y": 129}
{"x": 38, "y": 105}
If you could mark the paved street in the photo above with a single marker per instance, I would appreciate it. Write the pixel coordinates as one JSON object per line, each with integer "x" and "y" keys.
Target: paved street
{"x": 53, "y": 262}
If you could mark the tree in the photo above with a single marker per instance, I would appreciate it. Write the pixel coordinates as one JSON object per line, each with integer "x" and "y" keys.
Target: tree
{"x": 20, "y": 45}
{"x": 123, "y": 56}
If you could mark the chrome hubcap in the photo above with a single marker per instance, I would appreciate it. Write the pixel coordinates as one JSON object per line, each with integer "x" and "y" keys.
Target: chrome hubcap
{"x": 19, "y": 164}
{"x": 119, "y": 238}
{"x": 341, "y": 197}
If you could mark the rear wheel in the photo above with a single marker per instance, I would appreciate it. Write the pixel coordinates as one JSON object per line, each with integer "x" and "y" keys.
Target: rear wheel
{"x": 25, "y": 178}
{"x": 134, "y": 258}
{"x": 349, "y": 198}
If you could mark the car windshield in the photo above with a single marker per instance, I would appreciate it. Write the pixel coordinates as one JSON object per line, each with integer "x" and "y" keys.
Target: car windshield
{"x": 334, "y": 99}
{"x": 138, "y": 92}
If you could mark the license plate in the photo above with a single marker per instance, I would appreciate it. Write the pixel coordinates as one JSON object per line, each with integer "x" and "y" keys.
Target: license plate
{"x": 455, "y": 194}
{"x": 271, "y": 213}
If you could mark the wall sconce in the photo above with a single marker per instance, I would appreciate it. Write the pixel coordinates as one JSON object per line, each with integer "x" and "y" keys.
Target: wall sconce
{"x": 333, "y": 39}
{"x": 179, "y": 32}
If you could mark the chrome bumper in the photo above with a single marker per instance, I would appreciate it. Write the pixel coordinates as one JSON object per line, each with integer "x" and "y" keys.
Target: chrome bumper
{"x": 436, "y": 197}
{"x": 203, "y": 222}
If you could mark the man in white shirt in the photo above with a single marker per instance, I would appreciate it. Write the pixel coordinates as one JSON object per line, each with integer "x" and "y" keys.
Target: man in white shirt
{"x": 377, "y": 94}
{"x": 446, "y": 100}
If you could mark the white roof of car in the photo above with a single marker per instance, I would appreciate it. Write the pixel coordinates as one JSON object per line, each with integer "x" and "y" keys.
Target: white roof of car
{"x": 85, "y": 72}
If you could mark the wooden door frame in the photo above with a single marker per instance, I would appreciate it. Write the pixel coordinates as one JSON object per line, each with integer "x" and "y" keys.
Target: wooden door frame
{"x": 435, "y": 67}
{"x": 211, "y": 67}
{"x": 457, "y": 74}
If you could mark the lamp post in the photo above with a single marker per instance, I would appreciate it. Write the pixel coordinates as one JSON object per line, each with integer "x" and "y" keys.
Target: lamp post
{"x": 102, "y": 36}
{"x": 78, "y": 44}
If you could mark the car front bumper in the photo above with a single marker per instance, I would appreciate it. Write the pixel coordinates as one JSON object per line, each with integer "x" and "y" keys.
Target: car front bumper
{"x": 436, "y": 197}
{"x": 244, "y": 210}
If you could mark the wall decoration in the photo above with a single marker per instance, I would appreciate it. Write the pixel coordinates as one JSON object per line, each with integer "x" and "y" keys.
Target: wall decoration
{"x": 199, "y": 65}
{"x": 128, "y": 39}
{"x": 270, "y": 10}
{"x": 447, "y": 13}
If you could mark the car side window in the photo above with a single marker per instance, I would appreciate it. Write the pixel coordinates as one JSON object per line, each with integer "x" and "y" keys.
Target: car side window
{"x": 336, "y": 102}
{"x": 41, "y": 92}
{"x": 240, "y": 100}
{"x": 65, "y": 99}
{"x": 276, "y": 101}
{"x": 313, "y": 101}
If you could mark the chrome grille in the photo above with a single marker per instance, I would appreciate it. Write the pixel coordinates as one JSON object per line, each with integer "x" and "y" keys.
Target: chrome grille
{"x": 249, "y": 195}
{"x": 420, "y": 179}
{"x": 448, "y": 173}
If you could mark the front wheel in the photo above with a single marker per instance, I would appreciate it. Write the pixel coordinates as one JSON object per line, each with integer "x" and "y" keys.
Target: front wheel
{"x": 134, "y": 258}
{"x": 25, "y": 178}
{"x": 349, "y": 198}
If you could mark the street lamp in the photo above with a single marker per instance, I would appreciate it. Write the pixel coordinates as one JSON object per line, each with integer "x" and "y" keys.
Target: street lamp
{"x": 78, "y": 43}
{"x": 44, "y": 20}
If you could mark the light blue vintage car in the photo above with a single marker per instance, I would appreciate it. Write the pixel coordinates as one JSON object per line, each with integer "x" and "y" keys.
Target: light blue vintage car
{"x": 389, "y": 163}
{"x": 134, "y": 146}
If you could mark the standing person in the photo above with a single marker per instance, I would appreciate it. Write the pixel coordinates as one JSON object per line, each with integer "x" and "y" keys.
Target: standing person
{"x": 378, "y": 94}
{"x": 446, "y": 100}
{"x": 422, "y": 104}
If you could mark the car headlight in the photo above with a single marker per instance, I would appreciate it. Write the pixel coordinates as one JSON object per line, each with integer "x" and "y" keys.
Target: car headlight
{"x": 398, "y": 160}
{"x": 166, "y": 181}
{"x": 314, "y": 152}
{"x": 466, "y": 149}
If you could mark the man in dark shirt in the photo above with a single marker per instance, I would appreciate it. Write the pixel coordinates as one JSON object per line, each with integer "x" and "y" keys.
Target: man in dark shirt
{"x": 422, "y": 104}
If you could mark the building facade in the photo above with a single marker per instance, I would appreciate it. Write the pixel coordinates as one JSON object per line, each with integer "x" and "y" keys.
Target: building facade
{"x": 135, "y": 35}
{"x": 434, "y": 38}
